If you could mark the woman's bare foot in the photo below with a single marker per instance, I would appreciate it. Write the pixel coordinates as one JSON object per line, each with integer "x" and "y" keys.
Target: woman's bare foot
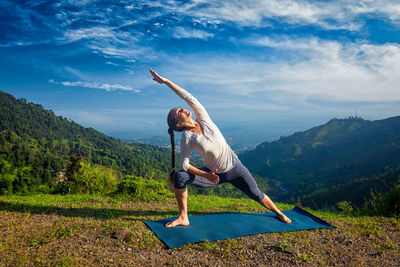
{"x": 283, "y": 218}
{"x": 178, "y": 221}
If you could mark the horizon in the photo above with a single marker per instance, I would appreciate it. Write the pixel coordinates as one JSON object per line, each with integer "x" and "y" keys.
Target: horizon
{"x": 261, "y": 69}
{"x": 238, "y": 146}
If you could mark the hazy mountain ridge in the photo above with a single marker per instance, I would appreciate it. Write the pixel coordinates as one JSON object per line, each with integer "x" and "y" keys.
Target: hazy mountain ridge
{"x": 335, "y": 153}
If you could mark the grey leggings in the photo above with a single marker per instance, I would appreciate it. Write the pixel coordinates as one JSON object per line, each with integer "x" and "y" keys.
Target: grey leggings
{"x": 238, "y": 176}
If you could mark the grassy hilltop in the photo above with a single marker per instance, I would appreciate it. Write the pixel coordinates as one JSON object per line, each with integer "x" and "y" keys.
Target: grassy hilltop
{"x": 93, "y": 230}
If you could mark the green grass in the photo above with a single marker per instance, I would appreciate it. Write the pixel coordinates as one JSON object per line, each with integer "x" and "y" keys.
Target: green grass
{"x": 119, "y": 206}
{"x": 107, "y": 206}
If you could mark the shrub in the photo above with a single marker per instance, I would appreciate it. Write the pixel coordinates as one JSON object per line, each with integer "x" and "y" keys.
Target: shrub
{"x": 7, "y": 177}
{"x": 383, "y": 204}
{"x": 43, "y": 189}
{"x": 391, "y": 202}
{"x": 345, "y": 206}
{"x": 143, "y": 189}
{"x": 61, "y": 188}
{"x": 93, "y": 179}
{"x": 6, "y": 181}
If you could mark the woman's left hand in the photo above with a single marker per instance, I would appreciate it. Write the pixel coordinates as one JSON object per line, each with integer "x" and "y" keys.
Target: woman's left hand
{"x": 212, "y": 176}
{"x": 157, "y": 77}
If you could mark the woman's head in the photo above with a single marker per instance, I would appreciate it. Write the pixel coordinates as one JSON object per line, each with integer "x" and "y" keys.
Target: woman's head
{"x": 178, "y": 118}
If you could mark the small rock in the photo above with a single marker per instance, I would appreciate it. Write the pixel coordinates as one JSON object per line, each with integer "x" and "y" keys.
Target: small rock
{"x": 349, "y": 242}
{"x": 120, "y": 234}
{"x": 129, "y": 249}
{"x": 292, "y": 251}
{"x": 340, "y": 239}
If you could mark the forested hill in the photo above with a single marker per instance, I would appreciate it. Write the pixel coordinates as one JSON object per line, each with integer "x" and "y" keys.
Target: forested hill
{"x": 36, "y": 141}
{"x": 337, "y": 153}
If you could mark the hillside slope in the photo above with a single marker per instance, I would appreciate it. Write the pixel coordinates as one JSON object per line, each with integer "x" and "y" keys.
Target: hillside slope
{"x": 36, "y": 141}
{"x": 335, "y": 153}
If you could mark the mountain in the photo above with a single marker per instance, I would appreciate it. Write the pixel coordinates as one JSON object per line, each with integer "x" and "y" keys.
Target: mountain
{"x": 36, "y": 144}
{"x": 358, "y": 192}
{"x": 334, "y": 154}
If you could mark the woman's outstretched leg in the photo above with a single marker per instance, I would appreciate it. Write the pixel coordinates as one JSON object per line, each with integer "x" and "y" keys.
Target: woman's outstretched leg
{"x": 183, "y": 219}
{"x": 267, "y": 202}
{"x": 242, "y": 179}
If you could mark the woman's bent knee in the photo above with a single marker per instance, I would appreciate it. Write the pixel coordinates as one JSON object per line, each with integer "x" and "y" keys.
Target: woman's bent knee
{"x": 180, "y": 179}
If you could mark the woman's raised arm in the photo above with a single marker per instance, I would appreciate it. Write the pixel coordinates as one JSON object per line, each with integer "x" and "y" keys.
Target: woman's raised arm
{"x": 198, "y": 108}
{"x": 162, "y": 80}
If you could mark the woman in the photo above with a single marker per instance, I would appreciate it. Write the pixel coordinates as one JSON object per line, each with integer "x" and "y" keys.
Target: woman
{"x": 221, "y": 163}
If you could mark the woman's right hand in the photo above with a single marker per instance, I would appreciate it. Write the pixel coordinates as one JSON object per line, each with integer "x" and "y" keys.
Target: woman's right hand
{"x": 212, "y": 176}
{"x": 157, "y": 77}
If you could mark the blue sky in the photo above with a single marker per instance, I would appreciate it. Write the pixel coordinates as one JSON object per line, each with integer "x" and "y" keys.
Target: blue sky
{"x": 261, "y": 68}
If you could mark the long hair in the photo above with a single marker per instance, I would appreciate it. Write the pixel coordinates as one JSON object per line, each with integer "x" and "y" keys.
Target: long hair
{"x": 171, "y": 120}
{"x": 172, "y": 171}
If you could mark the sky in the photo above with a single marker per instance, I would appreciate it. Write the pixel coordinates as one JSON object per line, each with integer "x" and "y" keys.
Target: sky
{"x": 262, "y": 68}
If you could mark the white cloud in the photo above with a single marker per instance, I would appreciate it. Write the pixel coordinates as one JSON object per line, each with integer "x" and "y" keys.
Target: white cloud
{"x": 79, "y": 2}
{"x": 329, "y": 70}
{"x": 110, "y": 41}
{"x": 286, "y": 42}
{"x": 117, "y": 35}
{"x": 89, "y": 33}
{"x": 346, "y": 71}
{"x": 112, "y": 64}
{"x": 344, "y": 14}
{"x": 181, "y": 33}
{"x": 247, "y": 13}
{"x": 103, "y": 86}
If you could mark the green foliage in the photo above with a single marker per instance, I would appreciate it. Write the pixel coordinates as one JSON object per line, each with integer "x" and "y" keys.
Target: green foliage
{"x": 209, "y": 245}
{"x": 36, "y": 145}
{"x": 93, "y": 179}
{"x": 7, "y": 176}
{"x": 345, "y": 206}
{"x": 41, "y": 189}
{"x": 360, "y": 192}
{"x": 61, "y": 188}
{"x": 143, "y": 189}
{"x": 284, "y": 243}
{"x": 391, "y": 202}
{"x": 386, "y": 204}
{"x": 305, "y": 257}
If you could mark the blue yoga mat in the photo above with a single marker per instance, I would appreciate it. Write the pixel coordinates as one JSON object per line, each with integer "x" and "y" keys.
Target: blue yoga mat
{"x": 233, "y": 225}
